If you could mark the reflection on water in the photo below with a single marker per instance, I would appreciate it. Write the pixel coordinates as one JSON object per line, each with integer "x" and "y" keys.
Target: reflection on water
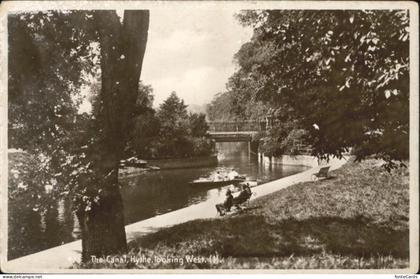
{"x": 144, "y": 196}
{"x": 30, "y": 231}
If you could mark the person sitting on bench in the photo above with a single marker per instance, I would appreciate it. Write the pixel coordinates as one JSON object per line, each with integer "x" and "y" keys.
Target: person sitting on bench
{"x": 243, "y": 196}
{"x": 226, "y": 205}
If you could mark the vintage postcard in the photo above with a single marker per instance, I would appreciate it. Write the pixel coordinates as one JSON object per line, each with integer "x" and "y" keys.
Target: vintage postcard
{"x": 207, "y": 136}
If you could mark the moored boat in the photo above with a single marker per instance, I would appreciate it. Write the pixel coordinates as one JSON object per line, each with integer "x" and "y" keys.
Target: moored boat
{"x": 133, "y": 162}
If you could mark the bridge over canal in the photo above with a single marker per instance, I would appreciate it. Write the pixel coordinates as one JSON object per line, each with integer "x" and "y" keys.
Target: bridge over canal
{"x": 233, "y": 131}
{"x": 245, "y": 131}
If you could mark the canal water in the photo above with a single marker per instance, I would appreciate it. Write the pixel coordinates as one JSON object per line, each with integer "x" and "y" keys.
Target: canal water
{"x": 146, "y": 195}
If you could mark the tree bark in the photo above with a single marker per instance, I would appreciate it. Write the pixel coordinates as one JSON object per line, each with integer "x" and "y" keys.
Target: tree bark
{"x": 122, "y": 47}
{"x": 102, "y": 226}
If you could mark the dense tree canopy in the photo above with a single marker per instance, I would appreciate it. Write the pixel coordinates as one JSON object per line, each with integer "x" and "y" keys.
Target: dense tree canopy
{"x": 342, "y": 76}
{"x": 46, "y": 69}
{"x": 51, "y": 55}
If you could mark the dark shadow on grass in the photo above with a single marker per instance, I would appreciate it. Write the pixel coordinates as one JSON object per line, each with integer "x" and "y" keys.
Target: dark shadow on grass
{"x": 254, "y": 236}
{"x": 244, "y": 210}
{"x": 330, "y": 177}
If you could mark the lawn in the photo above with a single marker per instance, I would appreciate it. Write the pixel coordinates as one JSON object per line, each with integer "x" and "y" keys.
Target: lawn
{"x": 358, "y": 218}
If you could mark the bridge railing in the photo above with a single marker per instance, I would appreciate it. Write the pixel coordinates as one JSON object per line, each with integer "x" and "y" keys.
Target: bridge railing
{"x": 250, "y": 126}
{"x": 237, "y": 126}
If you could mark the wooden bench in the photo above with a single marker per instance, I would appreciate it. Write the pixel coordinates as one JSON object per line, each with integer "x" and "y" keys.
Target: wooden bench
{"x": 323, "y": 172}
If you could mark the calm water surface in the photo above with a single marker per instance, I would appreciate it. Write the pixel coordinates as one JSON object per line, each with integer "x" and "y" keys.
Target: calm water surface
{"x": 145, "y": 196}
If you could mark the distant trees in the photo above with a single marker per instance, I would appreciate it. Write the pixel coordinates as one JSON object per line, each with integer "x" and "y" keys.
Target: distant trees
{"x": 173, "y": 119}
{"x": 235, "y": 105}
{"x": 220, "y": 108}
{"x": 342, "y": 76}
{"x": 197, "y": 124}
{"x": 170, "y": 132}
{"x": 146, "y": 125}
{"x": 197, "y": 134}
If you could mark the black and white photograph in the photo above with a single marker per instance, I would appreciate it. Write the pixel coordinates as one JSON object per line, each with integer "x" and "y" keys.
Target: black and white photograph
{"x": 209, "y": 136}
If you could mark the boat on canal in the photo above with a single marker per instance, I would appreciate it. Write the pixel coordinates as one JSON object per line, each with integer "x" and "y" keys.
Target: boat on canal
{"x": 219, "y": 183}
{"x": 219, "y": 178}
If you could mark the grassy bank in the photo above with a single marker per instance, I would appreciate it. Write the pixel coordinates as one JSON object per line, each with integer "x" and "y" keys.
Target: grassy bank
{"x": 358, "y": 218}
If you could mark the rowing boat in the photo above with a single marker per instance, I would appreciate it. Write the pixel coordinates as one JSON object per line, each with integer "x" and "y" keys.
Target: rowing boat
{"x": 209, "y": 182}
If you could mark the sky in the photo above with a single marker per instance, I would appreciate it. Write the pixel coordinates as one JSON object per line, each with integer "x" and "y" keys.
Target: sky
{"x": 191, "y": 52}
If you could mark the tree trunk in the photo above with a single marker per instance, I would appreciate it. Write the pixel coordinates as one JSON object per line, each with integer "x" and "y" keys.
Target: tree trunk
{"x": 122, "y": 51}
{"x": 102, "y": 226}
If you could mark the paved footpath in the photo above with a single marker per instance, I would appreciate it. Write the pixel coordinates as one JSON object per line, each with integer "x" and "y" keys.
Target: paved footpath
{"x": 62, "y": 257}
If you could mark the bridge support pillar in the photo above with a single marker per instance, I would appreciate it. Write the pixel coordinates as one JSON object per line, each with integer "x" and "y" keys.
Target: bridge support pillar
{"x": 260, "y": 157}
{"x": 253, "y": 148}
